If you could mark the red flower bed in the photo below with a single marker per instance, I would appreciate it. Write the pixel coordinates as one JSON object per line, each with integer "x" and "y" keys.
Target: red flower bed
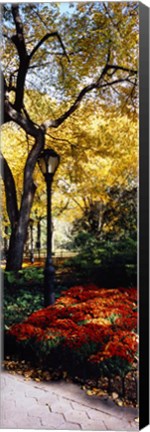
{"x": 25, "y": 331}
{"x": 123, "y": 344}
{"x": 97, "y": 324}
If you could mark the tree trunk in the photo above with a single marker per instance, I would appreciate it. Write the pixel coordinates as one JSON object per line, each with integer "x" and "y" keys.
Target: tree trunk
{"x": 20, "y": 218}
{"x": 16, "y": 247}
{"x": 19, "y": 232}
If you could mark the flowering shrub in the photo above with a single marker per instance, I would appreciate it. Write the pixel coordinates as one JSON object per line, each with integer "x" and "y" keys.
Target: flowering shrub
{"x": 88, "y": 325}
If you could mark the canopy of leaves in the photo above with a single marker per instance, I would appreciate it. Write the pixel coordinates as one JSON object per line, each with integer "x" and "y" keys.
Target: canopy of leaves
{"x": 96, "y": 155}
{"x": 85, "y": 59}
{"x": 69, "y": 51}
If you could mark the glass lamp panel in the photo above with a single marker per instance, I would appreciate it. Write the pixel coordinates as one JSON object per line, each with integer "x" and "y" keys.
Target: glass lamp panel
{"x": 42, "y": 165}
{"x": 52, "y": 164}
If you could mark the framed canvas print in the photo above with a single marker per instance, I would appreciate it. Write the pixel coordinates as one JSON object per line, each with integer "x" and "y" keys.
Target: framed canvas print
{"x": 75, "y": 215}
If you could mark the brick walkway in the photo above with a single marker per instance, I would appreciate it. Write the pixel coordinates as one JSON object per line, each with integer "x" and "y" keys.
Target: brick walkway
{"x": 58, "y": 405}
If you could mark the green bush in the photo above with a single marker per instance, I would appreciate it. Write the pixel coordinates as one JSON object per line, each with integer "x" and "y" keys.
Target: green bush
{"x": 27, "y": 276}
{"x": 23, "y": 294}
{"x": 114, "y": 260}
{"x": 111, "y": 367}
{"x": 19, "y": 304}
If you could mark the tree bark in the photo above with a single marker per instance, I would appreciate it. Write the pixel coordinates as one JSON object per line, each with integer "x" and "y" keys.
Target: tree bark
{"x": 19, "y": 229}
{"x": 16, "y": 246}
{"x": 19, "y": 232}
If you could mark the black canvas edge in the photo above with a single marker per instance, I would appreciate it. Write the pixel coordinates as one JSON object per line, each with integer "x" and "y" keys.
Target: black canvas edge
{"x": 143, "y": 235}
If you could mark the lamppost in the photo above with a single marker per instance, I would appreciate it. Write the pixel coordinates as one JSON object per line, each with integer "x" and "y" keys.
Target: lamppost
{"x": 48, "y": 162}
{"x": 38, "y": 243}
{"x": 31, "y": 241}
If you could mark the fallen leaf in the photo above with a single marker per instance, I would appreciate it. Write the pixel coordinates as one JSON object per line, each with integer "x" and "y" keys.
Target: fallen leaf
{"x": 115, "y": 395}
{"x": 89, "y": 392}
{"x": 103, "y": 394}
{"x": 120, "y": 403}
{"x": 64, "y": 374}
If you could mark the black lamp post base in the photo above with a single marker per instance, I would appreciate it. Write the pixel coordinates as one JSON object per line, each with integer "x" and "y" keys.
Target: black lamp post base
{"x": 49, "y": 284}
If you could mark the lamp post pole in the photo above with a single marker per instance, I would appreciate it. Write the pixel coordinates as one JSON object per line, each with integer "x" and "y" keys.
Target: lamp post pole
{"x": 38, "y": 243}
{"x": 31, "y": 240}
{"x": 48, "y": 162}
{"x": 49, "y": 272}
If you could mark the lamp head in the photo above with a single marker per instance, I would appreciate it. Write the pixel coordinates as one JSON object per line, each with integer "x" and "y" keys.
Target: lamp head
{"x": 48, "y": 162}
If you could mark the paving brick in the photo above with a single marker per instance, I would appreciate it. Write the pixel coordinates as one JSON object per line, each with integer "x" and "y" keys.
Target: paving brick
{"x": 29, "y": 423}
{"x": 35, "y": 409}
{"x": 75, "y": 416}
{"x": 64, "y": 406}
{"x": 8, "y": 424}
{"x": 98, "y": 415}
{"x": 29, "y": 392}
{"x": 93, "y": 425}
{"x": 79, "y": 407}
{"x": 70, "y": 426}
{"x": 118, "y": 425}
{"x": 134, "y": 426}
{"x": 47, "y": 399}
{"x": 2, "y": 384}
{"x": 52, "y": 420}
{"x": 8, "y": 412}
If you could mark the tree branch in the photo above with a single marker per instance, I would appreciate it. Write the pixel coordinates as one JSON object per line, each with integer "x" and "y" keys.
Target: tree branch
{"x": 117, "y": 81}
{"x": 87, "y": 89}
{"x": 65, "y": 207}
{"x": 32, "y": 157}
{"x": 29, "y": 187}
{"x": 18, "y": 38}
{"x": 63, "y": 117}
{"x": 117, "y": 67}
{"x": 60, "y": 139}
{"x": 96, "y": 85}
{"x": 47, "y": 36}
{"x": 19, "y": 42}
{"x": 26, "y": 124}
